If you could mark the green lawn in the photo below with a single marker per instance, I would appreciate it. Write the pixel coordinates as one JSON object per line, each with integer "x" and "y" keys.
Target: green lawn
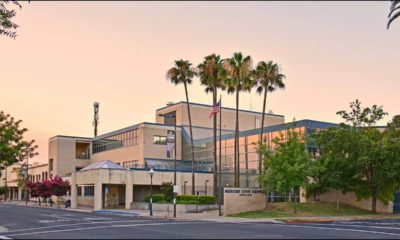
{"x": 277, "y": 210}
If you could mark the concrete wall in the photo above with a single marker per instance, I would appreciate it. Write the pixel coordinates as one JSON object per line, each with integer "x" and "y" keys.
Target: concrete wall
{"x": 181, "y": 208}
{"x": 351, "y": 199}
{"x": 200, "y": 117}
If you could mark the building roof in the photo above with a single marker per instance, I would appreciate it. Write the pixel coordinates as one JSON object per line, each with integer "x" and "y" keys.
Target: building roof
{"x": 226, "y": 108}
{"x": 107, "y": 164}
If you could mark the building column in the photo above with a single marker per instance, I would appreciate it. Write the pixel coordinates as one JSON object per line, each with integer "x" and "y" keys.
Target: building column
{"x": 74, "y": 191}
{"x": 128, "y": 190}
{"x": 20, "y": 193}
{"x": 98, "y": 194}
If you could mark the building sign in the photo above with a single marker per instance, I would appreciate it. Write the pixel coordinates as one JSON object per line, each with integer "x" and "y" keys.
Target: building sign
{"x": 170, "y": 143}
{"x": 237, "y": 200}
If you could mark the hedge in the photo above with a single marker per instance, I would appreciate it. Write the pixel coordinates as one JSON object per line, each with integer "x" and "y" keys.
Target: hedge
{"x": 156, "y": 198}
{"x": 196, "y": 199}
{"x": 184, "y": 199}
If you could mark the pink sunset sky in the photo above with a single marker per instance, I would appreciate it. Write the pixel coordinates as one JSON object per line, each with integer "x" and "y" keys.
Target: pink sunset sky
{"x": 69, "y": 54}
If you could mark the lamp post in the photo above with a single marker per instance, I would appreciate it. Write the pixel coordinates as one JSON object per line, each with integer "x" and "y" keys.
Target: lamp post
{"x": 205, "y": 187}
{"x": 184, "y": 188}
{"x": 151, "y": 173}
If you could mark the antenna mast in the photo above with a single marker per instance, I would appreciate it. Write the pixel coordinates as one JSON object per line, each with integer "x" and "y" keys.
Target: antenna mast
{"x": 96, "y": 117}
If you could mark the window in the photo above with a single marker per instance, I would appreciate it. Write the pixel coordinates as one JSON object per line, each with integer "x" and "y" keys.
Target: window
{"x": 130, "y": 164}
{"x": 51, "y": 165}
{"x": 160, "y": 140}
{"x": 79, "y": 191}
{"x": 89, "y": 190}
{"x": 124, "y": 139}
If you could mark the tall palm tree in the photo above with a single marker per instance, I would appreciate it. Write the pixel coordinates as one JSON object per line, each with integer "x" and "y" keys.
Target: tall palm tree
{"x": 183, "y": 73}
{"x": 210, "y": 73}
{"x": 394, "y": 12}
{"x": 269, "y": 79}
{"x": 238, "y": 78}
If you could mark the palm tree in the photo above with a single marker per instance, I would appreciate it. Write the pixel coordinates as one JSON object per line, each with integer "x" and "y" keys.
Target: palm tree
{"x": 210, "y": 73}
{"x": 394, "y": 12}
{"x": 238, "y": 78}
{"x": 269, "y": 79}
{"x": 183, "y": 73}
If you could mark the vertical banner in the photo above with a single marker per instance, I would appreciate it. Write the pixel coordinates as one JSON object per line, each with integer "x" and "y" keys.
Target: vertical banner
{"x": 170, "y": 143}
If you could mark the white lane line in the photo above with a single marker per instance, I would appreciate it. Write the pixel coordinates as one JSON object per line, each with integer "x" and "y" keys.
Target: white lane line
{"x": 4, "y": 237}
{"x": 98, "y": 227}
{"x": 353, "y": 225}
{"x": 339, "y": 229}
{"x": 73, "y": 224}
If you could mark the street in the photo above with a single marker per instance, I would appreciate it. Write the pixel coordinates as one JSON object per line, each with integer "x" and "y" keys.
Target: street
{"x": 44, "y": 223}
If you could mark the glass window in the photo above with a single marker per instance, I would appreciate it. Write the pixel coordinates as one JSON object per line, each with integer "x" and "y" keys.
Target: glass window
{"x": 160, "y": 140}
{"x": 89, "y": 190}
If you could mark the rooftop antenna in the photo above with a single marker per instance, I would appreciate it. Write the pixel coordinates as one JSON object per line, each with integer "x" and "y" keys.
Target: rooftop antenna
{"x": 96, "y": 117}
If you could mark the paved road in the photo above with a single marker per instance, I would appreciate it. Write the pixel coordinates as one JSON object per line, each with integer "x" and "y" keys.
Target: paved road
{"x": 43, "y": 223}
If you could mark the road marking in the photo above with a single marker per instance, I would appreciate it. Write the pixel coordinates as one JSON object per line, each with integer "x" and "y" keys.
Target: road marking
{"x": 73, "y": 224}
{"x": 353, "y": 225}
{"x": 98, "y": 227}
{"x": 339, "y": 229}
{"x": 4, "y": 237}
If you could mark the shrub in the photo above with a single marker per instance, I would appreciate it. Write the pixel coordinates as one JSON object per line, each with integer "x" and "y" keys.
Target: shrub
{"x": 168, "y": 190}
{"x": 3, "y": 190}
{"x": 196, "y": 199}
{"x": 156, "y": 198}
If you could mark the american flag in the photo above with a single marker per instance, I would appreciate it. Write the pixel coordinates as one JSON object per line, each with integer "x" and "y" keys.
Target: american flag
{"x": 216, "y": 109}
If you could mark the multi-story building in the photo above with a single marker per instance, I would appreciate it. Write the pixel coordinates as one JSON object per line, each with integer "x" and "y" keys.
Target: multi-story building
{"x": 111, "y": 170}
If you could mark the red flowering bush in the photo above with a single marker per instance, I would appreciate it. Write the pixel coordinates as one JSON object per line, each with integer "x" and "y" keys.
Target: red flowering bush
{"x": 47, "y": 188}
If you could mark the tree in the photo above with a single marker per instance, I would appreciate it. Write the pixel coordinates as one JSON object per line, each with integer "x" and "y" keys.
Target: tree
{"x": 269, "y": 79}
{"x": 368, "y": 158}
{"x": 237, "y": 78}
{"x": 394, "y": 12}
{"x": 395, "y": 123}
{"x": 59, "y": 186}
{"x": 13, "y": 147}
{"x": 183, "y": 73}
{"x": 288, "y": 167}
{"x": 168, "y": 191}
{"x": 7, "y": 26}
{"x": 210, "y": 72}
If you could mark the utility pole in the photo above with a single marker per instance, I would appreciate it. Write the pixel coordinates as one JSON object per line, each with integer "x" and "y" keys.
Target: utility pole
{"x": 96, "y": 106}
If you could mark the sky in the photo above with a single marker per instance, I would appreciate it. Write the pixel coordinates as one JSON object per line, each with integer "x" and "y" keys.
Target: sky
{"x": 69, "y": 54}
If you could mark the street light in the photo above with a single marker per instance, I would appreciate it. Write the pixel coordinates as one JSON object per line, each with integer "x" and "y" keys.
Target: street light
{"x": 151, "y": 173}
{"x": 184, "y": 187}
{"x": 205, "y": 188}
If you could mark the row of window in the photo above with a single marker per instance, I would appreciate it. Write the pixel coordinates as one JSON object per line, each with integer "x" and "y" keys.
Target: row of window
{"x": 125, "y": 139}
{"x": 38, "y": 177}
{"x": 87, "y": 190}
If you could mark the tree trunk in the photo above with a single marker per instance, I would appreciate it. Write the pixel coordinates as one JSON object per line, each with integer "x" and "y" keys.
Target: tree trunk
{"x": 262, "y": 131}
{"x": 374, "y": 200}
{"x": 191, "y": 137}
{"x": 215, "y": 143}
{"x": 237, "y": 140}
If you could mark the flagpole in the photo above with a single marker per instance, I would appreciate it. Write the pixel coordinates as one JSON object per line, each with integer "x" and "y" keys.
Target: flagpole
{"x": 220, "y": 144}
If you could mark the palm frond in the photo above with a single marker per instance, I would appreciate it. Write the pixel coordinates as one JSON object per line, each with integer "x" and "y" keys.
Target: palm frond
{"x": 394, "y": 12}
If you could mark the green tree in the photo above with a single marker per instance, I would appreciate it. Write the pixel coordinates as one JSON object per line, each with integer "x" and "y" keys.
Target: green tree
{"x": 210, "y": 72}
{"x": 13, "y": 147}
{"x": 395, "y": 123}
{"x": 288, "y": 167}
{"x": 367, "y": 157}
{"x": 237, "y": 78}
{"x": 183, "y": 73}
{"x": 269, "y": 79}
{"x": 7, "y": 26}
{"x": 394, "y": 12}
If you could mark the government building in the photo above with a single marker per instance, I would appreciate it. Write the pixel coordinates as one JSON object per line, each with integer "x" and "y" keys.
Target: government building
{"x": 111, "y": 170}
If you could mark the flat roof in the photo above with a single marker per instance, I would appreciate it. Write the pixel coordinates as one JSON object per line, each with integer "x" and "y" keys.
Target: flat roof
{"x": 76, "y": 137}
{"x": 227, "y": 108}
